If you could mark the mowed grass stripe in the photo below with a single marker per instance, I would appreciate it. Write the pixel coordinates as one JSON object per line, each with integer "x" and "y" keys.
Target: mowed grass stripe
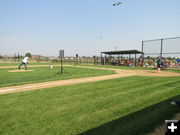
{"x": 46, "y": 111}
{"x": 100, "y": 92}
{"x": 124, "y": 108}
{"x": 108, "y": 102}
{"x": 103, "y": 94}
{"x": 110, "y": 95}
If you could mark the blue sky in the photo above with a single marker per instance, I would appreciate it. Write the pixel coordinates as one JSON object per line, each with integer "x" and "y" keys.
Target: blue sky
{"x": 86, "y": 27}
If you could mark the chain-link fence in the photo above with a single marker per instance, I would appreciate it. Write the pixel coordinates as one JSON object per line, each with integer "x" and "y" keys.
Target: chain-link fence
{"x": 168, "y": 49}
{"x": 165, "y": 47}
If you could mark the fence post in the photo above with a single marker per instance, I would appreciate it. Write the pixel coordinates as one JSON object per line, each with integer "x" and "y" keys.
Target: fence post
{"x": 135, "y": 60}
{"x": 101, "y": 59}
{"x": 161, "y": 47}
{"x": 142, "y": 48}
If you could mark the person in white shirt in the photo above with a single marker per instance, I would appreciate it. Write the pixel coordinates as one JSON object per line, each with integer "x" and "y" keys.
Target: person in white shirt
{"x": 24, "y": 62}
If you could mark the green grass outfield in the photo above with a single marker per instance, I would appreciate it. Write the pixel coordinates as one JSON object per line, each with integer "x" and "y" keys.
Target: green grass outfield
{"x": 42, "y": 74}
{"x": 124, "y": 106}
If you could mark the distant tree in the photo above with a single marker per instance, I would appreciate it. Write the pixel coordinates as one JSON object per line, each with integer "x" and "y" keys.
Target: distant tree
{"x": 169, "y": 58}
{"x": 28, "y": 55}
{"x": 148, "y": 57}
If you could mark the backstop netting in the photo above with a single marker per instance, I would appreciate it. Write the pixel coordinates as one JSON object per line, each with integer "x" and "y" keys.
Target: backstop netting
{"x": 171, "y": 47}
{"x": 166, "y": 47}
{"x": 151, "y": 48}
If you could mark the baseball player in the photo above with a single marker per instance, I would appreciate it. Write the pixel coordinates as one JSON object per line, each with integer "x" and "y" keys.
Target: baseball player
{"x": 24, "y": 62}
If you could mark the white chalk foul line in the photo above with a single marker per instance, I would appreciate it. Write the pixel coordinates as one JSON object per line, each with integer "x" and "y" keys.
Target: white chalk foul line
{"x": 40, "y": 85}
{"x": 3, "y": 90}
{"x": 35, "y": 86}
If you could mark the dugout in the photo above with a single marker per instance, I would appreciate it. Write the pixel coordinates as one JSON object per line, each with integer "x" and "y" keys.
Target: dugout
{"x": 119, "y": 55}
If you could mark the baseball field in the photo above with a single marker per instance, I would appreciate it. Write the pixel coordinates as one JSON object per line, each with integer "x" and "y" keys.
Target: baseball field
{"x": 86, "y": 100}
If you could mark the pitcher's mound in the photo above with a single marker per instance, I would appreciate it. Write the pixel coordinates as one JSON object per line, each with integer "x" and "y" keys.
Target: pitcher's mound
{"x": 20, "y": 70}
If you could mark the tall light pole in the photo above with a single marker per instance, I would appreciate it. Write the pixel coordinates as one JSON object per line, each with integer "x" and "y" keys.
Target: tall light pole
{"x": 116, "y": 21}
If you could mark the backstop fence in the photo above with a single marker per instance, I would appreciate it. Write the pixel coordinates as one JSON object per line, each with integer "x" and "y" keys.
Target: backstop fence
{"x": 168, "y": 49}
{"x": 165, "y": 47}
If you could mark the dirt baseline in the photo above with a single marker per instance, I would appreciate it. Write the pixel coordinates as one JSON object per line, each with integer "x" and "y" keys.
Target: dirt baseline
{"x": 119, "y": 73}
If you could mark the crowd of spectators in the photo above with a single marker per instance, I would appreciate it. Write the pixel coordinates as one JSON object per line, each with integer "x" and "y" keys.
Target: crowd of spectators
{"x": 123, "y": 62}
{"x": 155, "y": 62}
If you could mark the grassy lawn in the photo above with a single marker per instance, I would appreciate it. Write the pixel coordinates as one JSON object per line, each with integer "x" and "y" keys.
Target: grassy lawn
{"x": 45, "y": 74}
{"x": 173, "y": 70}
{"x": 128, "y": 106}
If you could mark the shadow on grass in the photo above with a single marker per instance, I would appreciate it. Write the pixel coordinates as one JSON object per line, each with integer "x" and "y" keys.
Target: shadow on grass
{"x": 140, "y": 122}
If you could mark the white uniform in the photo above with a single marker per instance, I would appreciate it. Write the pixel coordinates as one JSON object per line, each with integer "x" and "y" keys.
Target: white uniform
{"x": 25, "y": 60}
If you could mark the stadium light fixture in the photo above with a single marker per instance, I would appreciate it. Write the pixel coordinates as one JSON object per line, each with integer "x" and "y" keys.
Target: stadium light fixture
{"x": 114, "y": 5}
{"x": 117, "y": 3}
